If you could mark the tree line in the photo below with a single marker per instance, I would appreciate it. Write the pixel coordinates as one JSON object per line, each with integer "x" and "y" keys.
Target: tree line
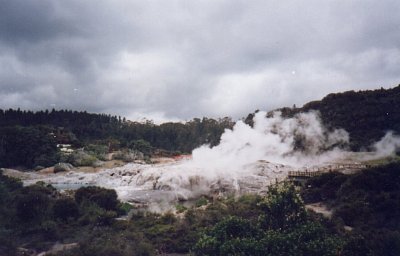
{"x": 366, "y": 115}
{"x": 26, "y": 137}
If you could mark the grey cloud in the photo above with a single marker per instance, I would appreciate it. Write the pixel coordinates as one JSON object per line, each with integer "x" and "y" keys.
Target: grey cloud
{"x": 181, "y": 59}
{"x": 29, "y": 21}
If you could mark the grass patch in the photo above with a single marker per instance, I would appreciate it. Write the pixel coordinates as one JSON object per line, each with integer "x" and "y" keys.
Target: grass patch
{"x": 201, "y": 201}
{"x": 383, "y": 160}
{"x": 180, "y": 208}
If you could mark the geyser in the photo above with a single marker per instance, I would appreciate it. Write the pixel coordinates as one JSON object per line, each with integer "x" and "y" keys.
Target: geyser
{"x": 247, "y": 159}
{"x": 297, "y": 141}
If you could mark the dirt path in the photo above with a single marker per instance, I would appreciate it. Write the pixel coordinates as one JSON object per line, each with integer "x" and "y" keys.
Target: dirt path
{"x": 320, "y": 208}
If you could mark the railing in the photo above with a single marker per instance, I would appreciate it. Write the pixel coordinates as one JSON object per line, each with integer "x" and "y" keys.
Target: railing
{"x": 316, "y": 171}
{"x": 306, "y": 174}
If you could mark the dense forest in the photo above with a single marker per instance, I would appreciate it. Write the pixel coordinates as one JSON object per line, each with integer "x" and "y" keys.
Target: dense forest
{"x": 365, "y": 220}
{"x": 29, "y": 138}
{"x": 96, "y": 127}
{"x": 366, "y": 115}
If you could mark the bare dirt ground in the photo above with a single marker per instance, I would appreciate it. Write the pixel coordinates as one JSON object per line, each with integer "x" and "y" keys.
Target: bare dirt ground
{"x": 162, "y": 160}
{"x": 50, "y": 170}
{"x": 106, "y": 165}
{"x": 16, "y": 173}
{"x": 85, "y": 169}
{"x": 320, "y": 208}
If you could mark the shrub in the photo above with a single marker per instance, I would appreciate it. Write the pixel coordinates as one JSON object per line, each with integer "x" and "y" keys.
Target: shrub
{"x": 98, "y": 151}
{"x": 27, "y": 146}
{"x": 81, "y": 158}
{"x": 233, "y": 234}
{"x": 180, "y": 208}
{"x": 46, "y": 160}
{"x": 129, "y": 155}
{"x": 65, "y": 208}
{"x": 93, "y": 214}
{"x": 356, "y": 245}
{"x": 142, "y": 146}
{"x": 201, "y": 201}
{"x": 168, "y": 218}
{"x": 9, "y": 183}
{"x": 7, "y": 244}
{"x": 283, "y": 207}
{"x": 62, "y": 167}
{"x": 31, "y": 206}
{"x": 104, "y": 198}
{"x": 237, "y": 236}
{"x": 124, "y": 208}
{"x": 109, "y": 243}
{"x": 48, "y": 229}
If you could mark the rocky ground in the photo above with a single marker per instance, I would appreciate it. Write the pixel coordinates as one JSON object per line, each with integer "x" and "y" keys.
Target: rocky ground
{"x": 169, "y": 180}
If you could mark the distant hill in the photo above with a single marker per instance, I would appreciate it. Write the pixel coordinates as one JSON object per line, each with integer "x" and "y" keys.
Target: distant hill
{"x": 29, "y": 138}
{"x": 366, "y": 115}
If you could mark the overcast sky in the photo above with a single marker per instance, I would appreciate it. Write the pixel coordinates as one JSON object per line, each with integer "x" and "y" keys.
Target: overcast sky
{"x": 175, "y": 60}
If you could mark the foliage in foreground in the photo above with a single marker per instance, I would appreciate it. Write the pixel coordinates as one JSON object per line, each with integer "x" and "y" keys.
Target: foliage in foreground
{"x": 36, "y": 217}
{"x": 282, "y": 228}
{"x": 368, "y": 202}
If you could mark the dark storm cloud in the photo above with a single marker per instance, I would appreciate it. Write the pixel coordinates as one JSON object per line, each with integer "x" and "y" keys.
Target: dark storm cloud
{"x": 29, "y": 21}
{"x": 180, "y": 59}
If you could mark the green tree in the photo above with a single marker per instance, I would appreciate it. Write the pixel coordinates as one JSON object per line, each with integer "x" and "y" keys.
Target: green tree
{"x": 296, "y": 236}
{"x": 104, "y": 198}
{"x": 142, "y": 146}
{"x": 65, "y": 208}
{"x": 231, "y": 236}
{"x": 31, "y": 206}
{"x": 283, "y": 207}
{"x": 27, "y": 146}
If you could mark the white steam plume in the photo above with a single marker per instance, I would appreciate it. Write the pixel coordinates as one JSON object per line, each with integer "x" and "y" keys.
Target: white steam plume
{"x": 389, "y": 145}
{"x": 300, "y": 140}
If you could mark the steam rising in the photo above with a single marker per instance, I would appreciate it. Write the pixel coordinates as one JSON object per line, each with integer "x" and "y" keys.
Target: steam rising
{"x": 387, "y": 146}
{"x": 248, "y": 159}
{"x": 295, "y": 141}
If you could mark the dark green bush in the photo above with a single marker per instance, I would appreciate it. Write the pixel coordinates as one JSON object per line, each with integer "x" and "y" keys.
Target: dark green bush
{"x": 142, "y": 146}
{"x": 99, "y": 151}
{"x": 91, "y": 213}
{"x": 201, "y": 201}
{"x": 356, "y": 245}
{"x": 7, "y": 245}
{"x": 369, "y": 202}
{"x": 105, "y": 198}
{"x": 65, "y": 208}
{"x": 32, "y": 206}
{"x": 27, "y": 146}
{"x": 283, "y": 207}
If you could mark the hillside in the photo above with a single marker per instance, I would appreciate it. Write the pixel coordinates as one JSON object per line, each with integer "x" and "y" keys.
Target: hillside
{"x": 366, "y": 203}
{"x": 366, "y": 115}
{"x": 32, "y": 136}
{"x": 29, "y": 138}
